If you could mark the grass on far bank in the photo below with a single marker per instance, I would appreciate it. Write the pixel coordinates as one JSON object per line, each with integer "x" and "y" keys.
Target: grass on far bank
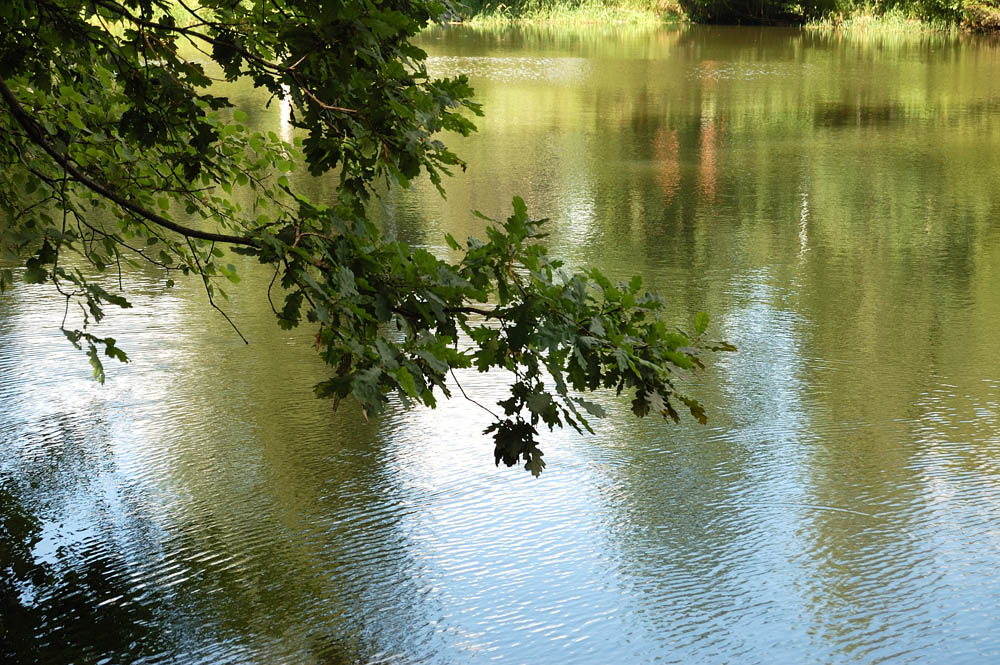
{"x": 634, "y": 12}
{"x": 968, "y": 15}
{"x": 911, "y": 18}
{"x": 888, "y": 22}
{"x": 973, "y": 16}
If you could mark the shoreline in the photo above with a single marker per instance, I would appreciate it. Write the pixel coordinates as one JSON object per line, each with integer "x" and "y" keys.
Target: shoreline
{"x": 977, "y": 18}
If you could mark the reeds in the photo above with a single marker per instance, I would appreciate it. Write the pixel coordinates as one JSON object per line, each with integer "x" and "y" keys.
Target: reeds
{"x": 632, "y": 12}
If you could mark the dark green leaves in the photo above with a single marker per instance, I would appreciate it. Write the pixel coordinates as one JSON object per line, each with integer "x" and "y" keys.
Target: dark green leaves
{"x": 514, "y": 440}
{"x": 110, "y": 350}
{"x": 406, "y": 382}
{"x": 132, "y": 159}
{"x": 390, "y": 318}
{"x": 35, "y": 267}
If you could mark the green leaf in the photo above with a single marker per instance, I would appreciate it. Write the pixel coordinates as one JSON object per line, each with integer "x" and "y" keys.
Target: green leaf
{"x": 95, "y": 363}
{"x": 35, "y": 274}
{"x": 697, "y": 410}
{"x": 229, "y": 272}
{"x": 700, "y": 323}
{"x": 73, "y": 336}
{"x": 679, "y": 359}
{"x": 535, "y": 463}
{"x": 676, "y": 340}
{"x": 406, "y": 381}
{"x": 538, "y": 402}
{"x": 640, "y": 405}
{"x": 520, "y": 208}
{"x": 592, "y": 408}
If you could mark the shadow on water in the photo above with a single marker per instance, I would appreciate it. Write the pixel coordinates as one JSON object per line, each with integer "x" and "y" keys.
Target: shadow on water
{"x": 74, "y": 606}
{"x": 62, "y": 601}
{"x": 108, "y": 555}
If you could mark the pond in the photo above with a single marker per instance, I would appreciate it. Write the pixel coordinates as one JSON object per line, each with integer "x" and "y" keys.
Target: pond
{"x": 832, "y": 201}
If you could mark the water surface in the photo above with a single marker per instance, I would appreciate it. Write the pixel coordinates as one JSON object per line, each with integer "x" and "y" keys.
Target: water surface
{"x": 833, "y": 202}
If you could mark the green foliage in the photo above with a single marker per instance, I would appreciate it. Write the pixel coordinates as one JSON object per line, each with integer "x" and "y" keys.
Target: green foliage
{"x": 908, "y": 15}
{"x": 859, "y": 15}
{"x": 492, "y": 12}
{"x": 981, "y": 16}
{"x": 756, "y": 12}
{"x": 111, "y": 141}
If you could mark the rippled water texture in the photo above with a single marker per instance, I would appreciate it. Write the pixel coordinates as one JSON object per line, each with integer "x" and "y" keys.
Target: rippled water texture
{"x": 833, "y": 202}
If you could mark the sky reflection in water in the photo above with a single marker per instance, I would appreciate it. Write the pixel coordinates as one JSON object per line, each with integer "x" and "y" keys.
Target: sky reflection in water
{"x": 832, "y": 203}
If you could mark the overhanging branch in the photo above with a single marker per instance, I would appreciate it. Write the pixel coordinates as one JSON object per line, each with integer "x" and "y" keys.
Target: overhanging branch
{"x": 266, "y": 64}
{"x": 38, "y": 137}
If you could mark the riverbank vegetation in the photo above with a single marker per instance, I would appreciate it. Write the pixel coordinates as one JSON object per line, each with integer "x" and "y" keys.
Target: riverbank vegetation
{"x": 495, "y": 12}
{"x": 900, "y": 16}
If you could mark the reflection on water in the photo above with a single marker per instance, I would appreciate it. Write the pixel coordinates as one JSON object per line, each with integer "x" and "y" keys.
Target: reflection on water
{"x": 561, "y": 71}
{"x": 832, "y": 201}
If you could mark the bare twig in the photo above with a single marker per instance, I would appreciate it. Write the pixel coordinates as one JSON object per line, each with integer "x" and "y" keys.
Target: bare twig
{"x": 208, "y": 291}
{"x": 457, "y": 383}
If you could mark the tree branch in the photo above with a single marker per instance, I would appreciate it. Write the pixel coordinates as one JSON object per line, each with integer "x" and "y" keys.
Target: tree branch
{"x": 121, "y": 11}
{"x": 37, "y": 136}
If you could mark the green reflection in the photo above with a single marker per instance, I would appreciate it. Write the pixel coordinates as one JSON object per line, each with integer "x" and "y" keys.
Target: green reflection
{"x": 832, "y": 202}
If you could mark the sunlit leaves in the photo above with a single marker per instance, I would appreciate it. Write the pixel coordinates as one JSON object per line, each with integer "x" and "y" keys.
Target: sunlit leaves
{"x": 79, "y": 337}
{"x": 126, "y": 158}
{"x": 700, "y": 323}
{"x": 390, "y": 317}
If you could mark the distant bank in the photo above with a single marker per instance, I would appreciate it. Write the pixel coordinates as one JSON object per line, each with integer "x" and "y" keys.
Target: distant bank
{"x": 902, "y": 16}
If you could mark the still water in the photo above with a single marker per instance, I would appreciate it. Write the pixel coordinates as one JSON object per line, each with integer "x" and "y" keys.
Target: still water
{"x": 833, "y": 202}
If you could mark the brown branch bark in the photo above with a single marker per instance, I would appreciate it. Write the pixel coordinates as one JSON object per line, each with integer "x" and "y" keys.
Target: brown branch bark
{"x": 38, "y": 137}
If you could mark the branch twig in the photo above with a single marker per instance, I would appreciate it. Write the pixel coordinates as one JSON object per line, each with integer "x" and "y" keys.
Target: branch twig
{"x": 37, "y": 136}
{"x": 469, "y": 398}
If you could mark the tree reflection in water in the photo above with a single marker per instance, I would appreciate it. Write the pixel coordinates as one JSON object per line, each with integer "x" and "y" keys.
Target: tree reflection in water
{"x": 71, "y": 608}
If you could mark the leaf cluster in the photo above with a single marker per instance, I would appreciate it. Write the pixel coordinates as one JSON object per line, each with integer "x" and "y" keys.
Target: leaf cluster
{"x": 396, "y": 321}
{"x": 115, "y": 149}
